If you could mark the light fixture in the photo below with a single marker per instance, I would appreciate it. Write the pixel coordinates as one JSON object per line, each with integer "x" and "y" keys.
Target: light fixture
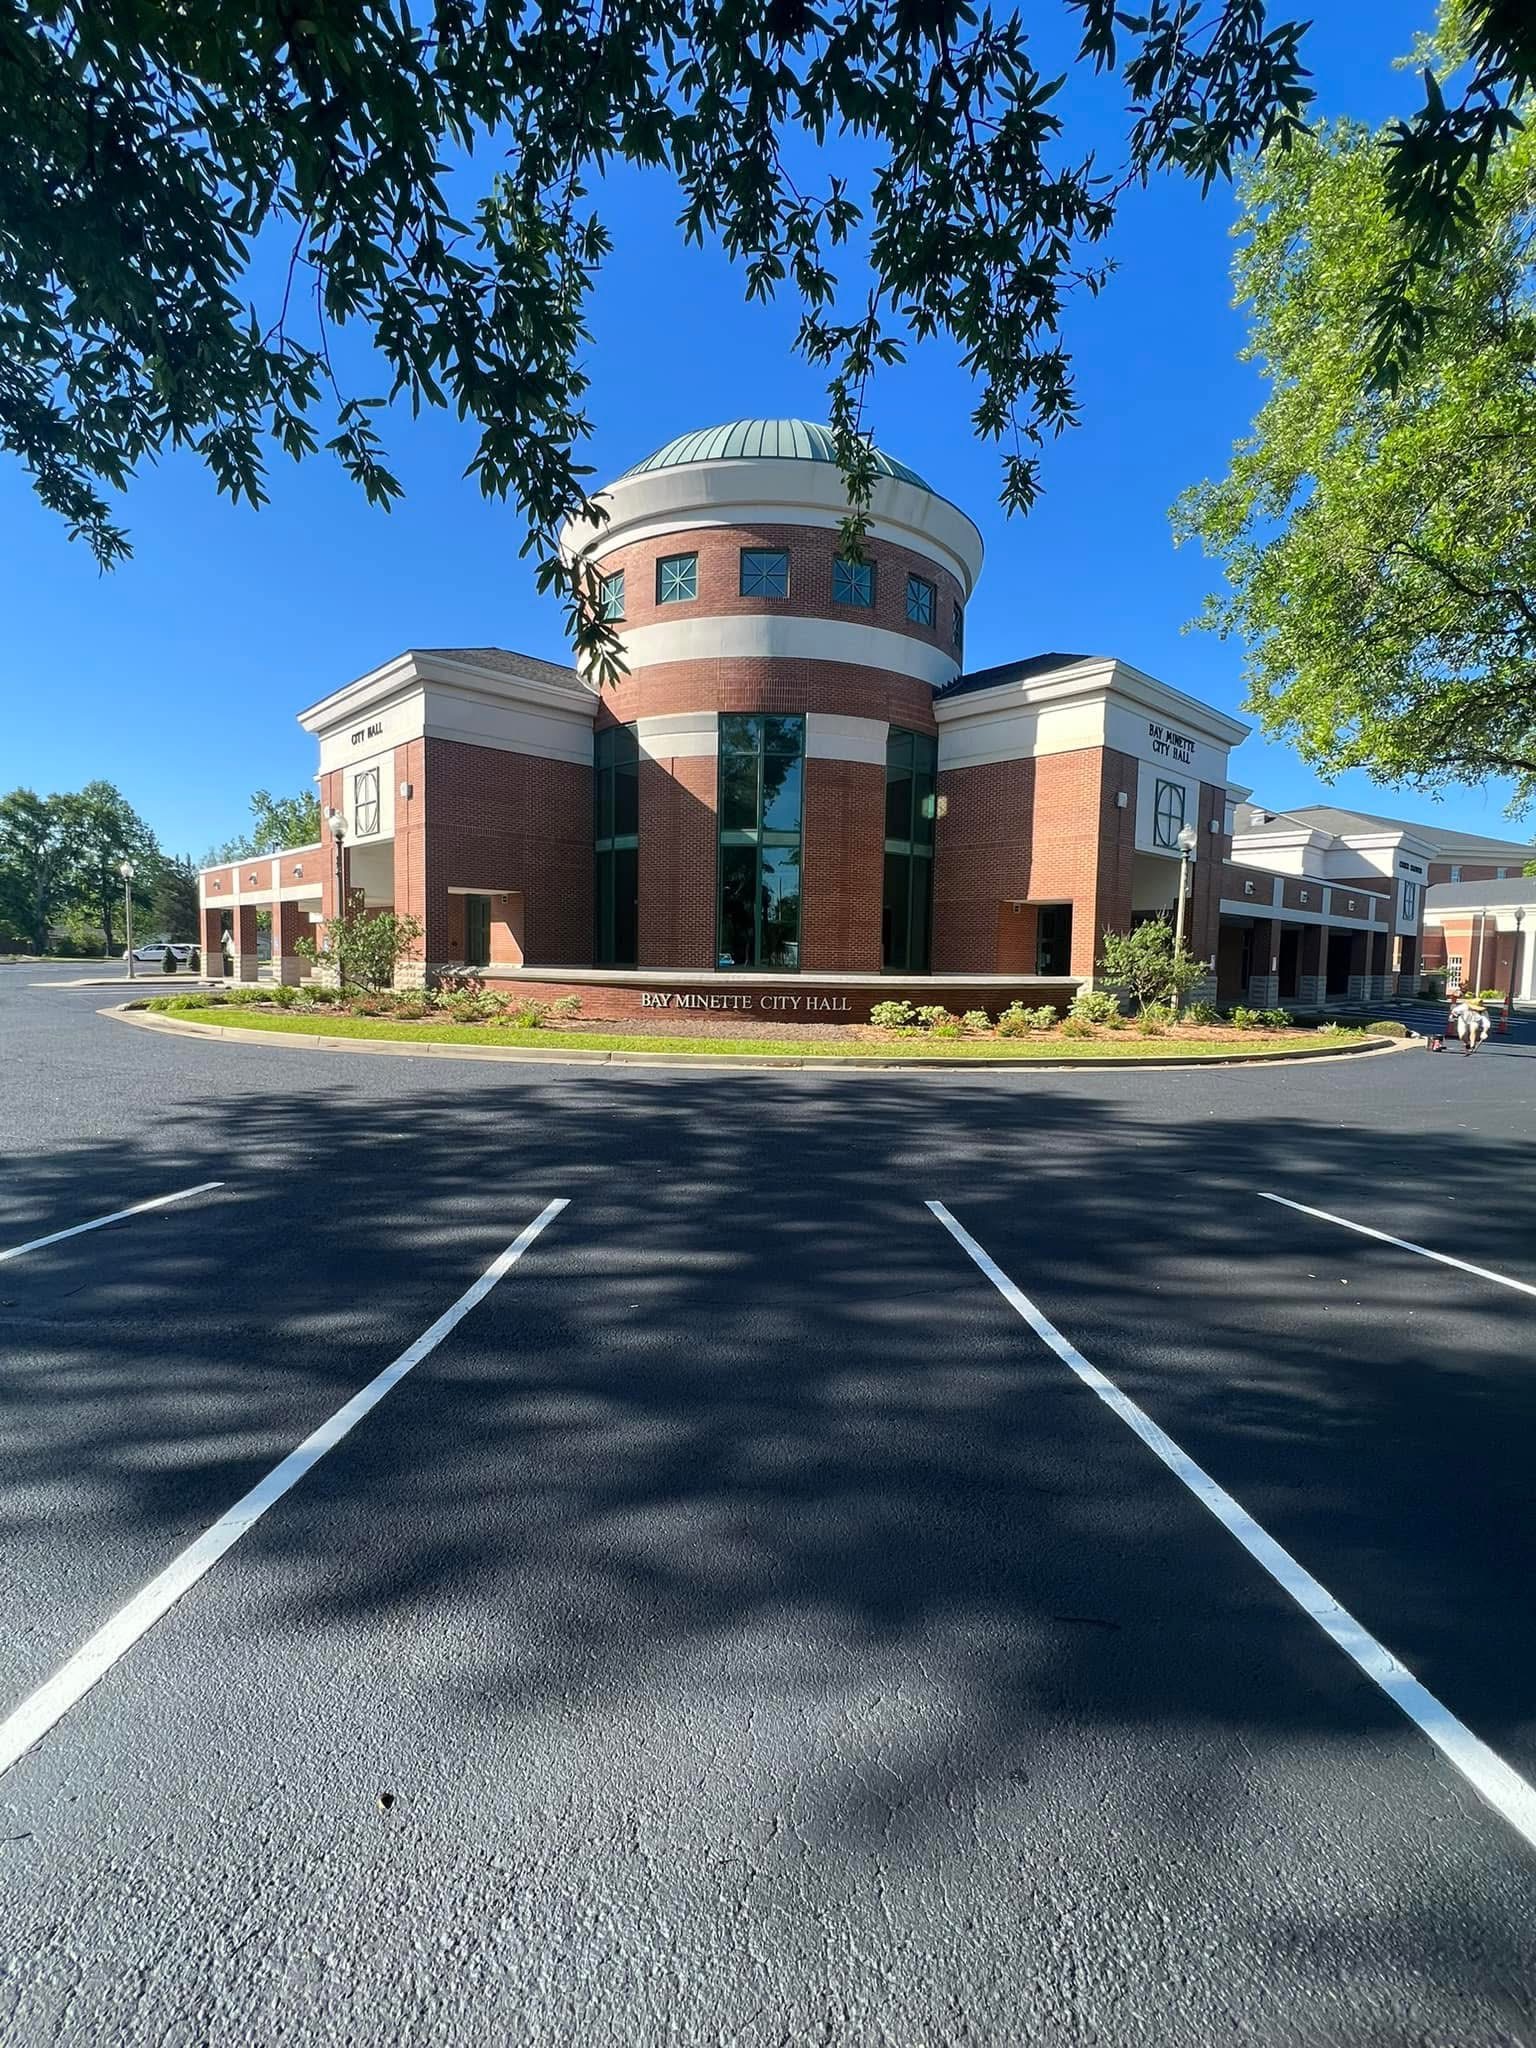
{"x": 1189, "y": 839}
{"x": 1121, "y": 799}
{"x": 407, "y": 791}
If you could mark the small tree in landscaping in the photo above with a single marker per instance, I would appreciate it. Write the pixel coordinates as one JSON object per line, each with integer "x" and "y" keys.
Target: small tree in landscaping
{"x": 365, "y": 951}
{"x": 1145, "y": 964}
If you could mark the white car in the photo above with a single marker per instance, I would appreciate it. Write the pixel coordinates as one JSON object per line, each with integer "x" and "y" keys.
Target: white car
{"x": 155, "y": 950}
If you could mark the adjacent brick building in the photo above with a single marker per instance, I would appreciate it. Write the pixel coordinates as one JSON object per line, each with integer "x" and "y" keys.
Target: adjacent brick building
{"x": 796, "y": 800}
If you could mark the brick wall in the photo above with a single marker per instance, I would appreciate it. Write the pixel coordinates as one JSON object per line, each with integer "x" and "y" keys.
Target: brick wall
{"x": 483, "y": 818}
{"x": 811, "y": 551}
{"x": 678, "y": 861}
{"x": 758, "y": 683}
{"x": 842, "y": 876}
{"x": 796, "y": 1003}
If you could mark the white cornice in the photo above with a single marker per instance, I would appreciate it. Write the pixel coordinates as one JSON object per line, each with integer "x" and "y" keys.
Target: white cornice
{"x": 1095, "y": 679}
{"x": 412, "y": 671}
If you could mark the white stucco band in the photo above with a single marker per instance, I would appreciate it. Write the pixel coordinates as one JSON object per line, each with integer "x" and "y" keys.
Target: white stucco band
{"x": 680, "y": 735}
{"x": 770, "y": 491}
{"x": 829, "y": 736}
{"x": 764, "y": 637}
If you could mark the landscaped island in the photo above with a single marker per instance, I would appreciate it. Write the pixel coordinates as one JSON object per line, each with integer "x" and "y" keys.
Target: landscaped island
{"x": 466, "y": 1014}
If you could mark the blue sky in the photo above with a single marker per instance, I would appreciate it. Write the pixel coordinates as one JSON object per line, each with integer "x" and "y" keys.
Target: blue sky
{"x": 178, "y": 675}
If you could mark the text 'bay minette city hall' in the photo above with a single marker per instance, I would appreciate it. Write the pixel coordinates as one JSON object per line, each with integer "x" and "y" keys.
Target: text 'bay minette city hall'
{"x": 798, "y": 802}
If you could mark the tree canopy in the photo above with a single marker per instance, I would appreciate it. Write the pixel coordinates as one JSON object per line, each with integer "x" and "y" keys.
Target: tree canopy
{"x": 60, "y": 858}
{"x": 145, "y": 153}
{"x": 276, "y": 822}
{"x": 1379, "y": 538}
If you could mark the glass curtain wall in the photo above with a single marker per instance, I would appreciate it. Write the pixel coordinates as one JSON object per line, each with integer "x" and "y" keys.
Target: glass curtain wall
{"x": 911, "y": 772}
{"x": 762, "y": 773}
{"x": 615, "y": 847}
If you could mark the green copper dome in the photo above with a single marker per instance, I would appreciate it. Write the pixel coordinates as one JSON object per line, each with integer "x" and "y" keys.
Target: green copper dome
{"x": 741, "y": 440}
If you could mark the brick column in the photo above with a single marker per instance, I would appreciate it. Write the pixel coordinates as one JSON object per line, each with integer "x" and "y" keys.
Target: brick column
{"x": 1264, "y": 975}
{"x": 288, "y": 922}
{"x": 1359, "y": 967}
{"x": 1312, "y": 978}
{"x": 212, "y": 925}
{"x": 245, "y": 941}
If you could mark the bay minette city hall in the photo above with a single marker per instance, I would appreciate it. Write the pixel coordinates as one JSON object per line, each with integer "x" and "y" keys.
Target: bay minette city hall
{"x": 798, "y": 801}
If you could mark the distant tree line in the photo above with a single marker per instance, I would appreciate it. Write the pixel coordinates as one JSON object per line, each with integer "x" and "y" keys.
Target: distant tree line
{"x": 61, "y": 857}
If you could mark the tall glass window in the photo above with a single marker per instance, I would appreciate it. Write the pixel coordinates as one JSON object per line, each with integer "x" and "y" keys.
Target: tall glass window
{"x": 911, "y": 773}
{"x": 615, "y": 847}
{"x": 762, "y": 770}
{"x": 365, "y": 802}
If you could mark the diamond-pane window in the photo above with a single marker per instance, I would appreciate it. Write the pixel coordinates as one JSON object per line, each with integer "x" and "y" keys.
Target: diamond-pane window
{"x": 613, "y": 595}
{"x": 764, "y": 572}
{"x": 677, "y": 579}
{"x": 922, "y": 601}
{"x": 853, "y": 583}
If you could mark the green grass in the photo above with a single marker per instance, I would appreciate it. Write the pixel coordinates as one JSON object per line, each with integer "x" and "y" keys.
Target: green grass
{"x": 1124, "y": 1046}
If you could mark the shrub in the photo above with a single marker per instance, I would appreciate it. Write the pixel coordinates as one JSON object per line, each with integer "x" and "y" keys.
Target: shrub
{"x": 466, "y": 982}
{"x": 1389, "y": 1027}
{"x": 1155, "y": 1013}
{"x": 1275, "y": 1020}
{"x": 285, "y": 995}
{"x": 892, "y": 1016}
{"x": 528, "y": 1015}
{"x": 1489, "y": 995}
{"x": 365, "y": 950}
{"x": 976, "y": 1020}
{"x": 1076, "y": 1027}
{"x": 320, "y": 992}
{"x": 366, "y": 1005}
{"x": 1094, "y": 1006}
{"x": 565, "y": 1007}
{"x": 168, "y": 962}
{"x": 950, "y": 1028}
{"x": 411, "y": 1009}
{"x": 932, "y": 1014}
{"x": 1014, "y": 1022}
{"x": 1144, "y": 963}
{"x": 1244, "y": 1019}
{"x": 1201, "y": 1013}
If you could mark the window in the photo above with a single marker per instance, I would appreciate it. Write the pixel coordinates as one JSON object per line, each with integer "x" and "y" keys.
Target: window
{"x": 764, "y": 572}
{"x": 615, "y": 847}
{"x": 1453, "y": 970}
{"x": 761, "y": 775}
{"x": 1455, "y": 874}
{"x": 612, "y": 601}
{"x": 365, "y": 803}
{"x": 1168, "y": 814}
{"x": 1410, "y": 902}
{"x": 677, "y": 579}
{"x": 1053, "y": 939}
{"x": 957, "y": 630}
{"x": 922, "y": 601}
{"x": 853, "y": 583}
{"x": 911, "y": 770}
{"x": 1499, "y": 874}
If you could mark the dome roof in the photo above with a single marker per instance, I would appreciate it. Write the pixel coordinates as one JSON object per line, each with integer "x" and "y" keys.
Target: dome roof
{"x": 741, "y": 440}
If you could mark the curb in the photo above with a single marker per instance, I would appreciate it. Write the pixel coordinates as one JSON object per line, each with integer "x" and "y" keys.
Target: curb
{"x": 735, "y": 1062}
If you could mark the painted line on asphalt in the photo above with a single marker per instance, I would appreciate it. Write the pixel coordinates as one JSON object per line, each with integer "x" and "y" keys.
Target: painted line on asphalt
{"x": 29, "y": 1722}
{"x": 139, "y": 1208}
{"x": 1503, "y": 1788}
{"x": 1404, "y": 1244}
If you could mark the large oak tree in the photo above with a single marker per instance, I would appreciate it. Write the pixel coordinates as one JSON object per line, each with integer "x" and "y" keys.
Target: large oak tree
{"x": 146, "y": 148}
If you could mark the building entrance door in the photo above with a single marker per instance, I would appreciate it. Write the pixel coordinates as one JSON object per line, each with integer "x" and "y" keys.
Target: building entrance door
{"x": 1340, "y": 946}
{"x": 477, "y": 931}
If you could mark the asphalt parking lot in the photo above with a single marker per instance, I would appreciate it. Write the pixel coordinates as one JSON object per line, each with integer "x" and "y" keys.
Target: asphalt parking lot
{"x": 744, "y": 1623}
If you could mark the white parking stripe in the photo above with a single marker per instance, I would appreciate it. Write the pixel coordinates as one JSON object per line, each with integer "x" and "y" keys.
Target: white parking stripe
{"x": 1403, "y": 1244}
{"x": 38, "y": 1713}
{"x": 1504, "y": 1789}
{"x": 160, "y": 1202}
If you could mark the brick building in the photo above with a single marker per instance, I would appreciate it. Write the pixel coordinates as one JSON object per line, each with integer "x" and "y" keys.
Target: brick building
{"x": 797, "y": 801}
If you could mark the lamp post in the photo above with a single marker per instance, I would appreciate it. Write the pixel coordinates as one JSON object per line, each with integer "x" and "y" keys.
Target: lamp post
{"x": 1189, "y": 839}
{"x": 1514, "y": 965}
{"x": 126, "y": 870}
{"x": 338, "y": 825}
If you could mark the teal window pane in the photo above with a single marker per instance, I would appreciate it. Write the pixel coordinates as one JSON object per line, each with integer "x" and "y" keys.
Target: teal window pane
{"x": 895, "y": 913}
{"x": 781, "y": 793}
{"x": 740, "y": 732}
{"x": 677, "y": 579}
{"x": 780, "y": 907}
{"x": 613, "y": 595}
{"x": 853, "y": 583}
{"x": 764, "y": 572}
{"x": 922, "y": 601}
{"x": 738, "y": 792}
{"x": 626, "y": 800}
{"x": 783, "y": 735}
{"x": 738, "y": 905}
